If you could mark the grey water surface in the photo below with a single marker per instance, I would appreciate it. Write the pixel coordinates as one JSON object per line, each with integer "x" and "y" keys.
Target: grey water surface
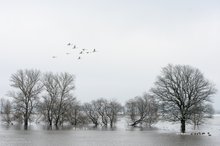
{"x": 164, "y": 134}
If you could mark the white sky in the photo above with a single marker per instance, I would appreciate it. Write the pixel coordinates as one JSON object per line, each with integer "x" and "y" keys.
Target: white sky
{"x": 134, "y": 39}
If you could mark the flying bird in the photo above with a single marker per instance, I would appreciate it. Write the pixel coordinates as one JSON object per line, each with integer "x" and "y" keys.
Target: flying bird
{"x": 94, "y": 50}
{"x": 69, "y": 44}
{"x": 79, "y": 58}
{"x": 81, "y": 52}
{"x": 74, "y": 47}
{"x": 54, "y": 56}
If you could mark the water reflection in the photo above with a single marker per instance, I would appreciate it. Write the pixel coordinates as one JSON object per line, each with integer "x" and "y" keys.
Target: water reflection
{"x": 141, "y": 128}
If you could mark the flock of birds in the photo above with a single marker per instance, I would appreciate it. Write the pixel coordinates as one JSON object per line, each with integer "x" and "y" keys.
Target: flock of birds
{"x": 80, "y": 53}
{"x": 201, "y": 133}
{"x": 196, "y": 133}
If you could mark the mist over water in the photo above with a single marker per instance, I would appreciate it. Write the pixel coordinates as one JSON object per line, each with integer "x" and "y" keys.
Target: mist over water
{"x": 162, "y": 134}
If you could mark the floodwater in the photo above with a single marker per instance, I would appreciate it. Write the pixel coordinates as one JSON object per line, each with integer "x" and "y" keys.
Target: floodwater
{"x": 164, "y": 134}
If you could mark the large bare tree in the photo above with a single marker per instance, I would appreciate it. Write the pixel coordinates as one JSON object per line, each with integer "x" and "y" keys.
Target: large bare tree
{"x": 48, "y": 104}
{"x": 28, "y": 85}
{"x": 179, "y": 89}
{"x": 58, "y": 98}
{"x": 66, "y": 86}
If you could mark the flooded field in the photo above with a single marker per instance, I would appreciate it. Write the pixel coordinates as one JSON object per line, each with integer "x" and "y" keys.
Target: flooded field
{"x": 163, "y": 134}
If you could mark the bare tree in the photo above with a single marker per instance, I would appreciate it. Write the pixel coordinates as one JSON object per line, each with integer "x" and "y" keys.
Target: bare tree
{"x": 101, "y": 108}
{"x": 200, "y": 113}
{"x": 131, "y": 110}
{"x": 28, "y": 85}
{"x": 102, "y": 111}
{"x": 66, "y": 85}
{"x": 75, "y": 114}
{"x": 142, "y": 110}
{"x": 112, "y": 111}
{"x": 6, "y": 111}
{"x": 179, "y": 89}
{"x": 48, "y": 104}
{"x": 152, "y": 110}
{"x": 90, "y": 110}
{"x": 2, "y": 102}
{"x": 58, "y": 98}
{"x": 209, "y": 111}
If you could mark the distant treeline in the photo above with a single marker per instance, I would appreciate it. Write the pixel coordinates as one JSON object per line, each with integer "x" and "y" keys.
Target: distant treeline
{"x": 180, "y": 93}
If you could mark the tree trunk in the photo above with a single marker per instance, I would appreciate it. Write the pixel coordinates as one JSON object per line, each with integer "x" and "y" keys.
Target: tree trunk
{"x": 50, "y": 123}
{"x": 56, "y": 122}
{"x": 111, "y": 124}
{"x": 136, "y": 122}
{"x": 26, "y": 123}
{"x": 96, "y": 123}
{"x": 183, "y": 125}
{"x": 26, "y": 118}
{"x": 75, "y": 118}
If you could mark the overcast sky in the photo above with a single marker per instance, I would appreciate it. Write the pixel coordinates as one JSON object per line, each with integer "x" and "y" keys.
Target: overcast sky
{"x": 134, "y": 39}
